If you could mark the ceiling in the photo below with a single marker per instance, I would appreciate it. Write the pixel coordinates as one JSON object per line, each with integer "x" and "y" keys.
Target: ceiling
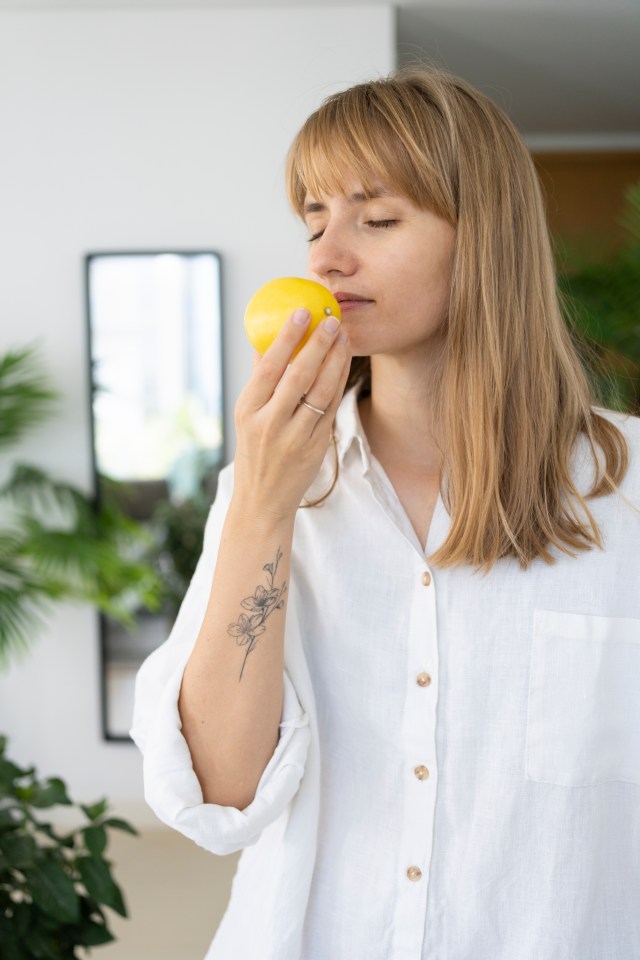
{"x": 567, "y": 71}
{"x": 563, "y": 70}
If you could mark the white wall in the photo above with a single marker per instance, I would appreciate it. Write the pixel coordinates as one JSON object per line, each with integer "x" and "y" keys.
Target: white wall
{"x": 138, "y": 129}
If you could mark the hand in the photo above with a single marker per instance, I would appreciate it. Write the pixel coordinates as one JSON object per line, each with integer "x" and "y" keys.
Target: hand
{"x": 281, "y": 443}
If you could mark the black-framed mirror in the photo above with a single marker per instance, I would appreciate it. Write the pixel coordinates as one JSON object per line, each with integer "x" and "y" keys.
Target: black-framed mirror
{"x": 157, "y": 420}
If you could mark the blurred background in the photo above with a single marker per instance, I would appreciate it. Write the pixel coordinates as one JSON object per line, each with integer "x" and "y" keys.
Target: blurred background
{"x": 141, "y": 177}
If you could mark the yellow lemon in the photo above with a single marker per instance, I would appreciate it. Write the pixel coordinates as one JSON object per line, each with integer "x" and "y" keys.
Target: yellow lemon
{"x": 272, "y": 305}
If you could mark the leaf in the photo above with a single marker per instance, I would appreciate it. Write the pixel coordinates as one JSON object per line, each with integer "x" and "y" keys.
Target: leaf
{"x": 31, "y": 488}
{"x": 95, "y": 810}
{"x": 26, "y": 398}
{"x": 95, "y": 839}
{"x": 19, "y": 850}
{"x": 42, "y": 942}
{"x": 50, "y": 793}
{"x": 11, "y": 948}
{"x": 21, "y": 617}
{"x": 93, "y": 934}
{"x": 53, "y": 890}
{"x": 118, "y": 824}
{"x": 22, "y": 916}
{"x": 11, "y": 817}
{"x": 91, "y": 567}
{"x": 9, "y": 773}
{"x": 62, "y": 840}
{"x": 100, "y": 884}
{"x": 85, "y": 557}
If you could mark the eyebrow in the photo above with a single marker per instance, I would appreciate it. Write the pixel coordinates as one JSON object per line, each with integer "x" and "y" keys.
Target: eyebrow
{"x": 316, "y": 207}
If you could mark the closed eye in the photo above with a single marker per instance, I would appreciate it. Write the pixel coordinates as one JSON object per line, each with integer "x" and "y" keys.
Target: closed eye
{"x": 376, "y": 224}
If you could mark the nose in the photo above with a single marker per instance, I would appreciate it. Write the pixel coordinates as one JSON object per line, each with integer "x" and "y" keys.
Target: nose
{"x": 333, "y": 253}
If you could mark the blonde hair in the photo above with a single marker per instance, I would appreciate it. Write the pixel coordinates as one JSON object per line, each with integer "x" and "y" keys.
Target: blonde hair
{"x": 512, "y": 393}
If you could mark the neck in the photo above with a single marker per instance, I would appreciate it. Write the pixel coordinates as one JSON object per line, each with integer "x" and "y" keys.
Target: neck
{"x": 398, "y": 417}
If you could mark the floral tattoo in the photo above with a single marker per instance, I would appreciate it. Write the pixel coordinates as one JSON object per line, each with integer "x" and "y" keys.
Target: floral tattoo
{"x": 260, "y": 605}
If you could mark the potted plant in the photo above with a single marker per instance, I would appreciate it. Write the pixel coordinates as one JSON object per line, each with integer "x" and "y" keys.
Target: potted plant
{"x": 55, "y": 545}
{"x": 54, "y": 885}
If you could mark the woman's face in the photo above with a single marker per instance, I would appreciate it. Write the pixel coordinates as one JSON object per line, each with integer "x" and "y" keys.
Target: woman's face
{"x": 387, "y": 262}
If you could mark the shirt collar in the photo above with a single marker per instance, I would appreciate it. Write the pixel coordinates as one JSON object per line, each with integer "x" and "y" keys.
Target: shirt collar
{"x": 349, "y": 430}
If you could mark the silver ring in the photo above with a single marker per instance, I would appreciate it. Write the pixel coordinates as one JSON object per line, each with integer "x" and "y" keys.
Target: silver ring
{"x": 315, "y": 409}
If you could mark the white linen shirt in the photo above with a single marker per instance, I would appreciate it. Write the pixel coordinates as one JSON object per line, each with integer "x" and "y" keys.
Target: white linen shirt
{"x": 458, "y": 770}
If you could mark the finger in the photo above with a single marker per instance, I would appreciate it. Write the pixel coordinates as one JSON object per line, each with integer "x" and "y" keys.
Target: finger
{"x": 268, "y": 371}
{"x": 328, "y": 386}
{"x": 332, "y": 406}
{"x": 305, "y": 367}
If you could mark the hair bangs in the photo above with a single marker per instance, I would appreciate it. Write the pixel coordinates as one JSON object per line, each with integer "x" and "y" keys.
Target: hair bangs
{"x": 346, "y": 138}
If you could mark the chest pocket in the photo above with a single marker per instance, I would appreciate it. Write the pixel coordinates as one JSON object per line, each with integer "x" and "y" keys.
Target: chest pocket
{"x": 583, "y": 722}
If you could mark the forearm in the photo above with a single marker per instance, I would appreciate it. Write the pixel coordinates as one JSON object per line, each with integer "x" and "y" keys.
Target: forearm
{"x": 233, "y": 686}
{"x": 232, "y": 691}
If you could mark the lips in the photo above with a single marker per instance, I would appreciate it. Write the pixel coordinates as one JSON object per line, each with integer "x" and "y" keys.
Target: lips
{"x": 351, "y": 302}
{"x": 343, "y": 296}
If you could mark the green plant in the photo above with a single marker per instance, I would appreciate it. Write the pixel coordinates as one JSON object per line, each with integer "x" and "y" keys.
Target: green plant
{"x": 54, "y": 543}
{"x": 178, "y": 530}
{"x": 53, "y": 885}
{"x": 601, "y": 297}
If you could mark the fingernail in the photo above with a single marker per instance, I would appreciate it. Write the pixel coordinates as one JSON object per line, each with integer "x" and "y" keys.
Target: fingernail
{"x": 331, "y": 324}
{"x": 301, "y": 317}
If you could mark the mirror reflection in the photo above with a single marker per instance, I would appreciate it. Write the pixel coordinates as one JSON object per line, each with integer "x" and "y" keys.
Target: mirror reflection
{"x": 155, "y": 339}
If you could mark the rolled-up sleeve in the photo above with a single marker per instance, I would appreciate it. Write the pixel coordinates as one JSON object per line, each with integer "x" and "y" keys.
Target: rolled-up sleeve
{"x": 171, "y": 787}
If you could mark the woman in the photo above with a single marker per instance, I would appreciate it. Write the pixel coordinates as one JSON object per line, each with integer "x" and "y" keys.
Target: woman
{"x": 413, "y": 701}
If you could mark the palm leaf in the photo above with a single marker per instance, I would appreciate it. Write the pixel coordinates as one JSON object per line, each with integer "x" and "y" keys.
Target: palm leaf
{"x": 90, "y": 566}
{"x": 85, "y": 556}
{"x": 25, "y": 395}
{"x": 56, "y": 544}
{"x": 21, "y": 616}
{"x": 43, "y": 565}
{"x": 32, "y": 489}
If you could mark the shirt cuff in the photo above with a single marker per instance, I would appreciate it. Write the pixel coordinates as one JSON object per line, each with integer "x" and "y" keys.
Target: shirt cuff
{"x": 173, "y": 791}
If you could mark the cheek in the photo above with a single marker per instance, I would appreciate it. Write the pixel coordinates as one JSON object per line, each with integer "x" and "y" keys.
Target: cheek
{"x": 437, "y": 267}
{"x": 419, "y": 276}
{"x": 447, "y": 249}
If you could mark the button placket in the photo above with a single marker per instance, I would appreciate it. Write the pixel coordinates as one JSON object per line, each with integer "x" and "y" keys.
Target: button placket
{"x": 423, "y": 680}
{"x": 420, "y": 765}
